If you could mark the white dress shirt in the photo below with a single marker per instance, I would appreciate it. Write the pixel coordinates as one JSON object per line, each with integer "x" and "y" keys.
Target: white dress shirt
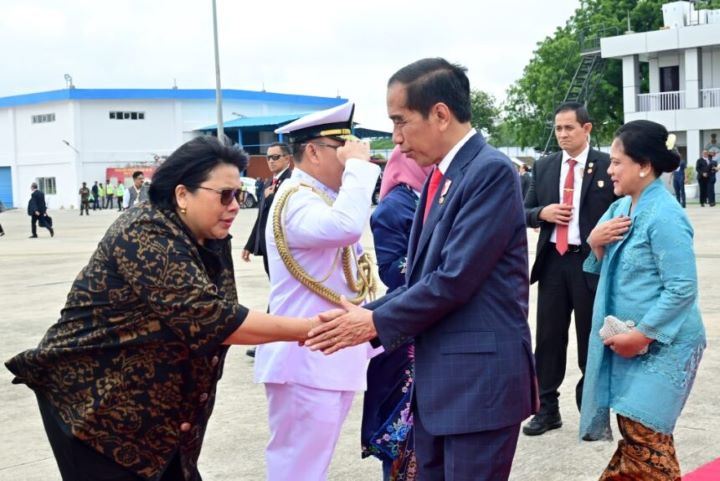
{"x": 445, "y": 162}
{"x": 574, "y": 226}
{"x": 314, "y": 231}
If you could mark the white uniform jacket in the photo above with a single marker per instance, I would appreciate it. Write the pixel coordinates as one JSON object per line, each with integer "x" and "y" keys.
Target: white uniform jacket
{"x": 314, "y": 231}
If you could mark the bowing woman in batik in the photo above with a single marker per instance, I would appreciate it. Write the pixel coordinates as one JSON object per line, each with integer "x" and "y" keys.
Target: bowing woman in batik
{"x": 125, "y": 380}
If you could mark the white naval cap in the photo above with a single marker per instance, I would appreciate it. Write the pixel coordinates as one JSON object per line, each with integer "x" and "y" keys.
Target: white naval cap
{"x": 334, "y": 122}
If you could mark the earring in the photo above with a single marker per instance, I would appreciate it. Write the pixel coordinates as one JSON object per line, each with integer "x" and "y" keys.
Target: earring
{"x": 642, "y": 175}
{"x": 183, "y": 210}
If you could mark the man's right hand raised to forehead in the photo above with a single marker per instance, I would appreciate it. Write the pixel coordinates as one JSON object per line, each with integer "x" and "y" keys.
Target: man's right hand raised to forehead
{"x": 353, "y": 149}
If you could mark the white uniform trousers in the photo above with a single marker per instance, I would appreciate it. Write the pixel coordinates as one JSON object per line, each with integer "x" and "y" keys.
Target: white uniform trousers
{"x": 305, "y": 426}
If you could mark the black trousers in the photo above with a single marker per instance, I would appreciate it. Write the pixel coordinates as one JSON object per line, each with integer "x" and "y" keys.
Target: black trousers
{"x": 703, "y": 185}
{"x": 79, "y": 462}
{"x": 711, "y": 191}
{"x": 562, "y": 291}
{"x": 33, "y": 225}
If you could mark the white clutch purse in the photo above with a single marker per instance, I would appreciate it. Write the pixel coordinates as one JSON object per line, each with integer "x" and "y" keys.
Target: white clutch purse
{"x": 613, "y": 326}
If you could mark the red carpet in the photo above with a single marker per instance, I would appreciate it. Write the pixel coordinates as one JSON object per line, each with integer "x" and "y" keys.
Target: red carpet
{"x": 709, "y": 472}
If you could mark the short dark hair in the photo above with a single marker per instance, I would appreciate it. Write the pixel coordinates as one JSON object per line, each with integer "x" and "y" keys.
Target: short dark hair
{"x": 581, "y": 113}
{"x": 190, "y": 165}
{"x": 432, "y": 80}
{"x": 644, "y": 142}
{"x": 284, "y": 148}
{"x": 137, "y": 174}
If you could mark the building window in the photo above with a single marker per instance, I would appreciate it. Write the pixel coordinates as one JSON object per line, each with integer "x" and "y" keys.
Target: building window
{"x": 47, "y": 185}
{"x": 43, "y": 118}
{"x": 119, "y": 115}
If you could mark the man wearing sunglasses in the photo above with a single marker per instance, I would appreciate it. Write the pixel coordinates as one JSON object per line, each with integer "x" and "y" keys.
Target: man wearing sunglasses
{"x": 278, "y": 159}
{"x": 313, "y": 232}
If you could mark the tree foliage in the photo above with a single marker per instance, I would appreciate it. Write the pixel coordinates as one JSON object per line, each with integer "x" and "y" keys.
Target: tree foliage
{"x": 547, "y": 77}
{"x": 485, "y": 112}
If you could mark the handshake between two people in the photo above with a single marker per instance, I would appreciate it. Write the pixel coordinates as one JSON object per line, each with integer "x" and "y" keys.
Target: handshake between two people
{"x": 339, "y": 328}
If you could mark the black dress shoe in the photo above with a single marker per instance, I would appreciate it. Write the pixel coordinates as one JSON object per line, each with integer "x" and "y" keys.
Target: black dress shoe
{"x": 542, "y": 423}
{"x": 250, "y": 352}
{"x": 52, "y": 232}
{"x": 33, "y": 237}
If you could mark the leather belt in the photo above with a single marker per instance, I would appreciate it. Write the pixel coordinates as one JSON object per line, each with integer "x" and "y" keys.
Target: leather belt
{"x": 575, "y": 249}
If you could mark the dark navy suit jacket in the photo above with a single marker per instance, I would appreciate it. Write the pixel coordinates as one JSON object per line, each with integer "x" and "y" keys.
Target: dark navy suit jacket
{"x": 466, "y": 299}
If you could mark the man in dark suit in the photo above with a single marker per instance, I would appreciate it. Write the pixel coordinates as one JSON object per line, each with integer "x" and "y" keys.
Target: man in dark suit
{"x": 474, "y": 377}
{"x": 703, "y": 170}
{"x": 565, "y": 221}
{"x": 37, "y": 209}
{"x": 525, "y": 179}
{"x": 278, "y": 159}
{"x": 279, "y": 156}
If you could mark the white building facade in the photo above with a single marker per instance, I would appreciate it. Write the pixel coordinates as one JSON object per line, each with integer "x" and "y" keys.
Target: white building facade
{"x": 684, "y": 76}
{"x": 65, "y": 137}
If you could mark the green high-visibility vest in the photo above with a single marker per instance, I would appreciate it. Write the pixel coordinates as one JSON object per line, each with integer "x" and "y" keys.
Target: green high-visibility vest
{"x": 109, "y": 189}
{"x": 120, "y": 192}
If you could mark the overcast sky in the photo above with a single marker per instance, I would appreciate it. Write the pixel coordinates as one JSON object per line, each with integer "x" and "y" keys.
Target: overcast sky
{"x": 299, "y": 47}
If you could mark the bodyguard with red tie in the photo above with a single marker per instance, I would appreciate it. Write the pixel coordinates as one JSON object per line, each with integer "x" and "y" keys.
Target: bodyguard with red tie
{"x": 569, "y": 193}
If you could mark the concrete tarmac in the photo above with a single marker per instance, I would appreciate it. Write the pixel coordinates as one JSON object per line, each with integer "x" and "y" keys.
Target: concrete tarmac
{"x": 36, "y": 275}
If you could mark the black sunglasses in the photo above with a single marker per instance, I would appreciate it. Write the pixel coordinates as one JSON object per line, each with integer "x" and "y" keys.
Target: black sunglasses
{"x": 226, "y": 195}
{"x": 275, "y": 156}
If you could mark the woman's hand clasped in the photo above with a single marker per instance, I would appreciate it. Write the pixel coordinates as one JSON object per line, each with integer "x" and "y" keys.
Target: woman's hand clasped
{"x": 629, "y": 344}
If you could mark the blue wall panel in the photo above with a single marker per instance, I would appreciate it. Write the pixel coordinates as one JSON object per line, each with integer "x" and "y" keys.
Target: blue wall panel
{"x": 6, "y": 187}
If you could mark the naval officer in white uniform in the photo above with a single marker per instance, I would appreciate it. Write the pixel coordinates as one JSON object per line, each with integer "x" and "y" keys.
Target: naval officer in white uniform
{"x": 313, "y": 232}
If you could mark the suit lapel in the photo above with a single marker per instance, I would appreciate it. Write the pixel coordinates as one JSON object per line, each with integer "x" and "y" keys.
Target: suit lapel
{"x": 588, "y": 175}
{"x": 556, "y": 173}
{"x": 447, "y": 188}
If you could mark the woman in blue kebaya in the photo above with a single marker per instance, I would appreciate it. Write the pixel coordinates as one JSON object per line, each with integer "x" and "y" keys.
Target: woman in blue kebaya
{"x": 643, "y": 249}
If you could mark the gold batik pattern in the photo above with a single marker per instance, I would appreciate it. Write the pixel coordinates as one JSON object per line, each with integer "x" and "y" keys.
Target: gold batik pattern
{"x": 642, "y": 455}
{"x": 131, "y": 366}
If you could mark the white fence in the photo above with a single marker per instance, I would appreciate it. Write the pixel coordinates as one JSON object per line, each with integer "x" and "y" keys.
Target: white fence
{"x": 661, "y": 101}
{"x": 710, "y": 97}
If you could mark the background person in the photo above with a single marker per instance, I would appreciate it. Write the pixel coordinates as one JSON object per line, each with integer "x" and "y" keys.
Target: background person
{"x": 525, "y": 179}
{"x": 279, "y": 156}
{"x": 120, "y": 195}
{"x": 647, "y": 276}
{"x": 138, "y": 192}
{"x": 569, "y": 192}
{"x": 678, "y": 178}
{"x": 109, "y": 195}
{"x": 387, "y": 401}
{"x": 37, "y": 209}
{"x": 101, "y": 196}
{"x": 84, "y": 193}
{"x": 126, "y": 379}
{"x": 96, "y": 195}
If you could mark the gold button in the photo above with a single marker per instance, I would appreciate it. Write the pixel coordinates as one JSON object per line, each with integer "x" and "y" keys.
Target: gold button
{"x": 185, "y": 427}
{"x": 204, "y": 397}
{"x": 215, "y": 360}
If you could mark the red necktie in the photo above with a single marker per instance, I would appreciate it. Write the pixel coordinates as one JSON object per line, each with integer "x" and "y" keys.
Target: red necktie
{"x": 274, "y": 182}
{"x": 561, "y": 239}
{"x": 432, "y": 190}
